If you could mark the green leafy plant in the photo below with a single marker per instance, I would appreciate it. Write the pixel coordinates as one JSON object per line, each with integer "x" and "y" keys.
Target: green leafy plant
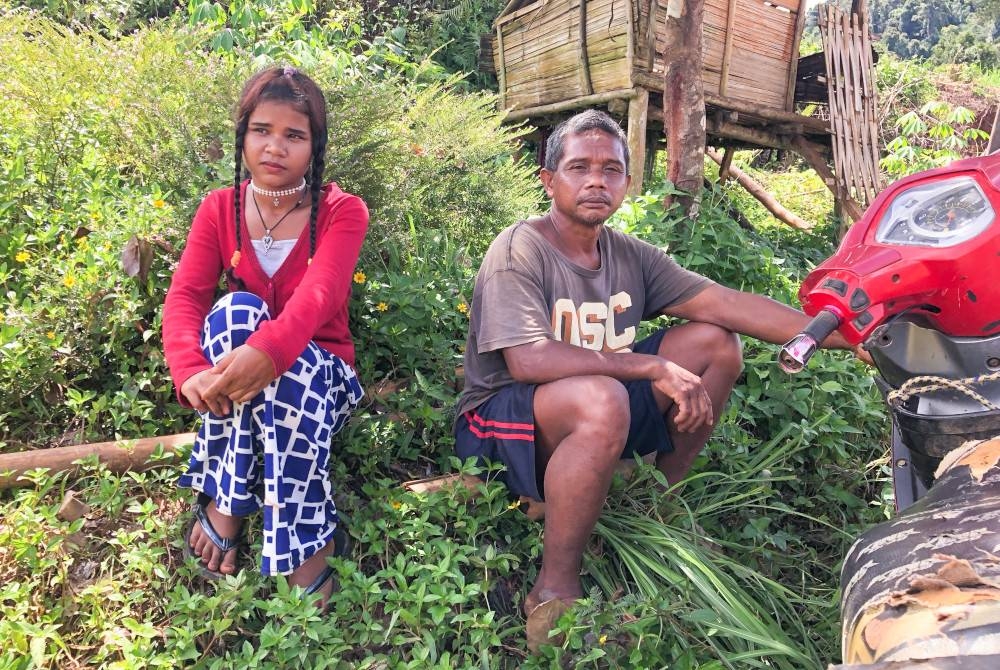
{"x": 934, "y": 135}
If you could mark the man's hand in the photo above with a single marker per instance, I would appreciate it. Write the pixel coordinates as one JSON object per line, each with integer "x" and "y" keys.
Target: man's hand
{"x": 241, "y": 375}
{"x": 694, "y": 407}
{"x": 195, "y": 390}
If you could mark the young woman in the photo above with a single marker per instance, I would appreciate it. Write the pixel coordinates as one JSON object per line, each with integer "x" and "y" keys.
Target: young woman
{"x": 268, "y": 365}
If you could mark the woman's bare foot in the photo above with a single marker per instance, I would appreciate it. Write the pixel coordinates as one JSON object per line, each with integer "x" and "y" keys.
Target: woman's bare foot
{"x": 201, "y": 544}
{"x": 306, "y": 574}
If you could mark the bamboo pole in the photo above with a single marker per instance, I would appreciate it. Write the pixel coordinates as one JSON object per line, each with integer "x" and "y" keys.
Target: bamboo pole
{"x": 588, "y": 84}
{"x": 118, "y": 456}
{"x": 501, "y": 68}
{"x": 759, "y": 192}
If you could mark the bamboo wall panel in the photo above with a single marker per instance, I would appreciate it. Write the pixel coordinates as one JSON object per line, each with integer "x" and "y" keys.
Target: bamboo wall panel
{"x": 542, "y": 61}
{"x": 851, "y": 90}
{"x": 542, "y": 51}
{"x": 761, "y": 55}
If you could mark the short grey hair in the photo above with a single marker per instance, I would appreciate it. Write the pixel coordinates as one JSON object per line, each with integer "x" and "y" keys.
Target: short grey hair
{"x": 591, "y": 119}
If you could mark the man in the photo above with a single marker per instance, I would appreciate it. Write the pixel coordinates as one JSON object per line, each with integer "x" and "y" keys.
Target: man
{"x": 557, "y": 388}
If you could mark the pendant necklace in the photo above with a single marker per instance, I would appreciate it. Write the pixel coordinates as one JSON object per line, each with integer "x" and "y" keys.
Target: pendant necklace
{"x": 277, "y": 195}
{"x": 267, "y": 240}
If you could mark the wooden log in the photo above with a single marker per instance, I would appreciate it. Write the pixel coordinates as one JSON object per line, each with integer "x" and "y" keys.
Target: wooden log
{"x": 755, "y": 136}
{"x": 809, "y": 123}
{"x": 638, "y": 111}
{"x": 118, "y": 456}
{"x": 565, "y": 105}
{"x": 726, "y": 164}
{"x": 817, "y": 162}
{"x": 759, "y": 192}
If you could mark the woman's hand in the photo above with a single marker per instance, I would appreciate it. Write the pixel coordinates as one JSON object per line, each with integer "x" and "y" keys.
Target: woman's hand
{"x": 241, "y": 375}
{"x": 195, "y": 390}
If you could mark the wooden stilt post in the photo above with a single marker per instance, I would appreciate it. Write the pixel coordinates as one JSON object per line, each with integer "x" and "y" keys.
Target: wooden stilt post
{"x": 638, "y": 112}
{"x": 684, "y": 101}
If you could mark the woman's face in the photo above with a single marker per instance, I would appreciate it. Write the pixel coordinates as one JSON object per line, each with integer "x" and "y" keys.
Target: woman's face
{"x": 277, "y": 147}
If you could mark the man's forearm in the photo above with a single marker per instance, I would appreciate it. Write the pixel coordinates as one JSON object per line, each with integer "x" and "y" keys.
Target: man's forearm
{"x": 545, "y": 361}
{"x": 749, "y": 314}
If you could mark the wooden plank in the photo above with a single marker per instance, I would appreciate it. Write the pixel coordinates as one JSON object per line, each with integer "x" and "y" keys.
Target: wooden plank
{"x": 727, "y": 49}
{"x": 793, "y": 70}
{"x": 651, "y": 33}
{"x": 638, "y": 112}
{"x": 535, "y": 6}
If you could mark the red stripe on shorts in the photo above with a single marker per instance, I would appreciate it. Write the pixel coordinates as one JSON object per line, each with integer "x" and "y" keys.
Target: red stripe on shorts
{"x": 500, "y": 436}
{"x": 473, "y": 417}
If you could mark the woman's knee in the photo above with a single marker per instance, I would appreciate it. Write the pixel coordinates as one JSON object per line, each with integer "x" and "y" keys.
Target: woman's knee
{"x": 233, "y": 318}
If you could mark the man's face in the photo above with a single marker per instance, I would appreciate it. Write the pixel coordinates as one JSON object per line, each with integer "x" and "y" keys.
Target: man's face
{"x": 589, "y": 183}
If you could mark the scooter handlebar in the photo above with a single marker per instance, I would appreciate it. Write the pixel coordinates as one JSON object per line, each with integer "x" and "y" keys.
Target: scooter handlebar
{"x": 797, "y": 351}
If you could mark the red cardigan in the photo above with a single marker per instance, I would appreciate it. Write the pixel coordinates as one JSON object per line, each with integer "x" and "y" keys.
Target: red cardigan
{"x": 305, "y": 302}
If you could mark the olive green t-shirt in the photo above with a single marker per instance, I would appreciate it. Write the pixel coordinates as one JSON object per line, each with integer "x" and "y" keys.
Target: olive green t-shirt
{"x": 526, "y": 290}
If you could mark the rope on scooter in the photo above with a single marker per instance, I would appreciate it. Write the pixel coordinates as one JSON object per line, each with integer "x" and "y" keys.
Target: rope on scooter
{"x": 928, "y": 383}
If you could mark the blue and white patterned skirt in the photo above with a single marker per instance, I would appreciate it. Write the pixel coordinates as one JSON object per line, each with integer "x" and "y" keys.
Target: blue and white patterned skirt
{"x": 272, "y": 452}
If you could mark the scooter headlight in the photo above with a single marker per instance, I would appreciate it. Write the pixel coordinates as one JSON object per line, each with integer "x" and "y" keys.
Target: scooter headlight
{"x": 939, "y": 214}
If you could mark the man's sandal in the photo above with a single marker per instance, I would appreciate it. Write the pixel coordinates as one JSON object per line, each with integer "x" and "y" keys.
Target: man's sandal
{"x": 223, "y": 544}
{"x": 541, "y": 620}
{"x": 341, "y": 545}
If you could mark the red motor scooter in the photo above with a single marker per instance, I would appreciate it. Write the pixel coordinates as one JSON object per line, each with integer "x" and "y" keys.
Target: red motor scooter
{"x": 917, "y": 282}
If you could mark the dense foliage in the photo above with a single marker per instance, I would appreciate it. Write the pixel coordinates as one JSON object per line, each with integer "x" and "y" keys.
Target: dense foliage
{"x": 950, "y": 31}
{"x": 114, "y": 129}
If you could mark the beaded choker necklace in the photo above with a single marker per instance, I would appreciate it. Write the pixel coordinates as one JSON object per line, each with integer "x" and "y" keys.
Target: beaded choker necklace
{"x": 277, "y": 195}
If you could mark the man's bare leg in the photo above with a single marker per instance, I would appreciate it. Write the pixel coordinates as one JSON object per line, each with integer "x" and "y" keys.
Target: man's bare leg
{"x": 714, "y": 354}
{"x": 581, "y": 424}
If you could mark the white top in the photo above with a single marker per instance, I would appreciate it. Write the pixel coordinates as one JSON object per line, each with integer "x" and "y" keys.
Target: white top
{"x": 273, "y": 259}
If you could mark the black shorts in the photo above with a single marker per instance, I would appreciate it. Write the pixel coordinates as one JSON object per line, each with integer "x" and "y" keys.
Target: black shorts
{"x": 502, "y": 429}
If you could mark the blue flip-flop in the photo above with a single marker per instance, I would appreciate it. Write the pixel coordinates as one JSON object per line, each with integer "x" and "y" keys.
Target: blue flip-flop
{"x": 223, "y": 544}
{"x": 341, "y": 545}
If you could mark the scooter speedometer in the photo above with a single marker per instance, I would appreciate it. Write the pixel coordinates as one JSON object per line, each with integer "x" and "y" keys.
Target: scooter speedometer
{"x": 937, "y": 214}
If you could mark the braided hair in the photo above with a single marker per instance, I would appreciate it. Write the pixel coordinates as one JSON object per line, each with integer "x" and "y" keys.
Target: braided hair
{"x": 288, "y": 85}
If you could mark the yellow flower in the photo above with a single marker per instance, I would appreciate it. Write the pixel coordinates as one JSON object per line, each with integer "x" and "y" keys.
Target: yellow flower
{"x": 69, "y": 281}
{"x": 22, "y": 256}
{"x": 601, "y": 640}
{"x": 463, "y": 308}
{"x": 50, "y": 335}
{"x": 396, "y": 504}
{"x": 514, "y": 505}
{"x": 382, "y": 307}
{"x": 2, "y": 318}
{"x": 359, "y": 277}
{"x": 159, "y": 203}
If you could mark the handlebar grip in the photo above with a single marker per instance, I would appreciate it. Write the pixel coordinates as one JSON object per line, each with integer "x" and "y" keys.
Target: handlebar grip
{"x": 796, "y": 352}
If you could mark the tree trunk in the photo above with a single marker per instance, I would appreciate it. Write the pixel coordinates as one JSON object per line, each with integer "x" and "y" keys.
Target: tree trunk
{"x": 684, "y": 101}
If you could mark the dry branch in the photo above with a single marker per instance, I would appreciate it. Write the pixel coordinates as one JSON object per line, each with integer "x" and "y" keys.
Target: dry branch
{"x": 759, "y": 192}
